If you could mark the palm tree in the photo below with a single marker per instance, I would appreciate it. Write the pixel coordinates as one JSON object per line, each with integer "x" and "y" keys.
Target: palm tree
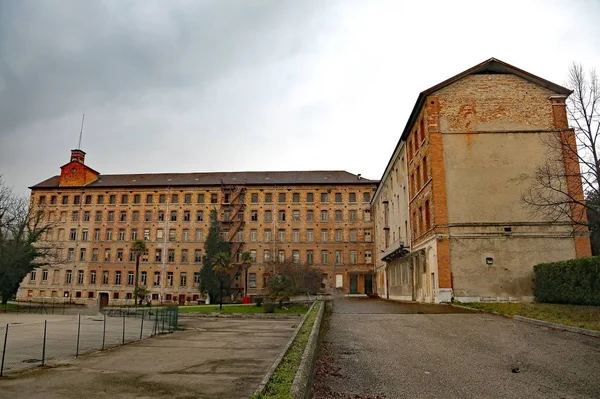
{"x": 222, "y": 268}
{"x": 246, "y": 262}
{"x": 138, "y": 247}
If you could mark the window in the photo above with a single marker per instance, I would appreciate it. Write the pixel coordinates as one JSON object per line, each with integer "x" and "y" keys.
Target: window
{"x": 338, "y": 197}
{"x": 82, "y": 254}
{"x": 324, "y": 257}
{"x": 65, "y": 200}
{"x": 170, "y": 279}
{"x": 124, "y": 199}
{"x": 424, "y": 170}
{"x": 367, "y": 215}
{"x": 253, "y": 235}
{"x": 281, "y": 198}
{"x": 123, "y": 216}
{"x": 352, "y": 197}
{"x": 111, "y": 216}
{"x": 254, "y": 198}
{"x": 196, "y": 277}
{"x": 86, "y": 216}
{"x": 105, "y": 277}
{"x": 112, "y": 199}
{"x": 310, "y": 197}
{"x": 199, "y": 216}
{"x": 175, "y": 198}
{"x": 214, "y": 198}
{"x": 136, "y": 216}
{"x": 71, "y": 254}
{"x": 84, "y": 235}
{"x": 253, "y": 255}
{"x": 427, "y": 216}
{"x": 254, "y": 216}
{"x": 158, "y": 255}
{"x": 95, "y": 255}
{"x": 296, "y": 216}
{"x": 146, "y": 234}
{"x": 159, "y": 234}
{"x": 143, "y": 278}
{"x": 239, "y": 236}
{"x": 53, "y": 200}
{"x": 199, "y": 235}
{"x": 185, "y": 235}
{"x": 268, "y": 217}
{"x": 173, "y": 216}
{"x": 295, "y": 256}
{"x": 268, "y": 198}
{"x": 147, "y": 216}
{"x": 353, "y": 235}
{"x": 324, "y": 197}
{"x": 118, "y": 278}
{"x": 201, "y": 198}
{"x": 171, "y": 254}
{"x": 32, "y": 275}
{"x": 267, "y": 235}
{"x": 323, "y": 216}
{"x": 281, "y": 256}
{"x": 367, "y": 235}
{"x": 353, "y": 258}
{"x": 107, "y": 255}
{"x": 156, "y": 279}
{"x": 296, "y": 197}
{"x": 310, "y": 257}
{"x": 98, "y": 217}
{"x": 366, "y": 197}
{"x": 367, "y": 256}
{"x": 77, "y": 200}
{"x": 296, "y": 235}
{"x": 252, "y": 280}
{"x": 73, "y": 235}
{"x": 418, "y": 178}
{"x": 324, "y": 235}
{"x": 44, "y": 275}
{"x": 338, "y": 257}
{"x": 338, "y": 215}
{"x": 310, "y": 237}
{"x": 149, "y": 199}
{"x": 338, "y": 235}
{"x": 183, "y": 279}
{"x": 75, "y": 216}
{"x": 310, "y": 215}
{"x": 172, "y": 234}
{"x": 131, "y": 256}
{"x": 282, "y": 216}
{"x": 133, "y": 234}
{"x": 93, "y": 277}
{"x": 281, "y": 235}
{"x": 197, "y": 256}
{"x": 187, "y": 198}
{"x": 162, "y": 198}
{"x": 130, "y": 278}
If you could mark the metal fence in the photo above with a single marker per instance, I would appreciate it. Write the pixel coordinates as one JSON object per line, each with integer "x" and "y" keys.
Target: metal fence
{"x": 34, "y": 340}
{"x": 47, "y": 306}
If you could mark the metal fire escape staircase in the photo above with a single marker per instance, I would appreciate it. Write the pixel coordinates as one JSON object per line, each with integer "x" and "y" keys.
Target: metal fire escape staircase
{"x": 232, "y": 220}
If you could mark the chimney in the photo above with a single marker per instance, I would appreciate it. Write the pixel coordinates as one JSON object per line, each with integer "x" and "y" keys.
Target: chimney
{"x": 78, "y": 156}
{"x": 358, "y": 176}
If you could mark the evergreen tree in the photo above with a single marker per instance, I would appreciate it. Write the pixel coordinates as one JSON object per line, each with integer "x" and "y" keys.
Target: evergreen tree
{"x": 215, "y": 245}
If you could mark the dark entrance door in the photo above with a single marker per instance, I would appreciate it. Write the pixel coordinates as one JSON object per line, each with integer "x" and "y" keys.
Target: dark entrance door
{"x": 354, "y": 284}
{"x": 103, "y": 299}
{"x": 181, "y": 299}
{"x": 368, "y": 284}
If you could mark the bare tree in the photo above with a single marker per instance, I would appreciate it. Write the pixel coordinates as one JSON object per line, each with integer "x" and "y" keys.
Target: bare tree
{"x": 572, "y": 168}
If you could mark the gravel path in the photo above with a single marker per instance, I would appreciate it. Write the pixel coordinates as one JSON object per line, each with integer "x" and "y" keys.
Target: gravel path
{"x": 378, "y": 349}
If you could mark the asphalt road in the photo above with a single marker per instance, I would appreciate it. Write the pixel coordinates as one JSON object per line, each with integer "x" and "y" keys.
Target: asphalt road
{"x": 378, "y": 349}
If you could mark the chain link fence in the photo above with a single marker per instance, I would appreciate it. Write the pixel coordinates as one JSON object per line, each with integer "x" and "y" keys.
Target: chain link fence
{"x": 29, "y": 341}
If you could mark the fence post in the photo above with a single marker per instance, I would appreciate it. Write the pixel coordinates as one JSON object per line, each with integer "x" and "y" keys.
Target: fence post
{"x": 104, "y": 332}
{"x": 78, "y": 332}
{"x": 4, "y": 350}
{"x": 123, "y": 329}
{"x": 142, "y": 327}
{"x": 44, "y": 344}
{"x": 53, "y": 301}
{"x": 29, "y": 306}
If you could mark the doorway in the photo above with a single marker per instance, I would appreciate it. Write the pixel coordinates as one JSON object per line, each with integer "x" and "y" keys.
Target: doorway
{"x": 354, "y": 284}
{"x": 181, "y": 299}
{"x": 103, "y": 297}
{"x": 368, "y": 284}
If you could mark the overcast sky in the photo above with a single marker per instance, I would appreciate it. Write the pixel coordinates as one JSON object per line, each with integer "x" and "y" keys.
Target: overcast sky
{"x": 192, "y": 86}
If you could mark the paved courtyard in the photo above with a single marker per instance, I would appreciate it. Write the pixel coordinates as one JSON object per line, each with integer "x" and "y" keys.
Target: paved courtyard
{"x": 380, "y": 349}
{"x": 212, "y": 358}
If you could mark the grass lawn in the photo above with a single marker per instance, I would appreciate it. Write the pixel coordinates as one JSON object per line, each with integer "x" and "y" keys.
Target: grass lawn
{"x": 570, "y": 315}
{"x": 252, "y": 308}
{"x": 280, "y": 383}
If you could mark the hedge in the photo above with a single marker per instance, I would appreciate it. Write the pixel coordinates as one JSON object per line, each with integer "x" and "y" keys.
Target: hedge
{"x": 574, "y": 281}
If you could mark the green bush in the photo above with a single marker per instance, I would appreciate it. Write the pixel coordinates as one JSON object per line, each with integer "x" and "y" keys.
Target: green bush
{"x": 269, "y": 307}
{"x": 574, "y": 281}
{"x": 259, "y": 301}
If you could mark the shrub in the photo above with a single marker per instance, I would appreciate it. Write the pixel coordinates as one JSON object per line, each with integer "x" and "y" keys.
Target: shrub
{"x": 259, "y": 301}
{"x": 269, "y": 307}
{"x": 574, "y": 281}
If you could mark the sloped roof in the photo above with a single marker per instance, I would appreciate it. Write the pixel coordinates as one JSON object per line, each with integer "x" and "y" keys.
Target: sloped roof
{"x": 217, "y": 178}
{"x": 492, "y": 65}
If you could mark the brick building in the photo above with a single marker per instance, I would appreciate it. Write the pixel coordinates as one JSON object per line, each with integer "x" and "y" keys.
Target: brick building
{"x": 449, "y": 219}
{"x": 314, "y": 217}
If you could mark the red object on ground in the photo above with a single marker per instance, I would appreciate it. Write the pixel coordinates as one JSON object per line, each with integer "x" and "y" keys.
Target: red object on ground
{"x": 246, "y": 299}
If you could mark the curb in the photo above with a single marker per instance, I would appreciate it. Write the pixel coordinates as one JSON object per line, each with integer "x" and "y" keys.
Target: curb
{"x": 261, "y": 387}
{"x": 266, "y": 316}
{"x": 301, "y": 386}
{"x": 556, "y": 326}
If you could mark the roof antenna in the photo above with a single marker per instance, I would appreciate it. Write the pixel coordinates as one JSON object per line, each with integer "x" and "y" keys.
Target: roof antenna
{"x": 81, "y": 132}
